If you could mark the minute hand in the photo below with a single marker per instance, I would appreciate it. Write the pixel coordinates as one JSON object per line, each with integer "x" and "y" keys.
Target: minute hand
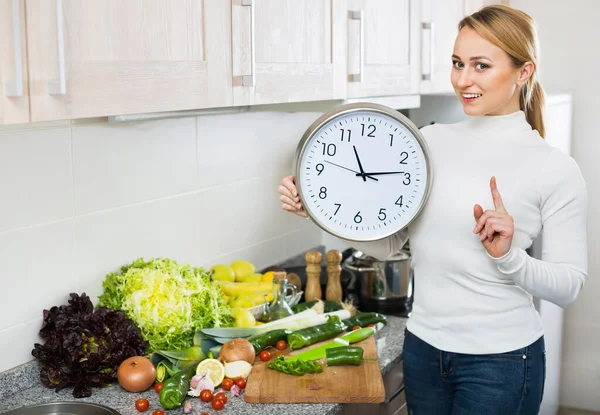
{"x": 380, "y": 173}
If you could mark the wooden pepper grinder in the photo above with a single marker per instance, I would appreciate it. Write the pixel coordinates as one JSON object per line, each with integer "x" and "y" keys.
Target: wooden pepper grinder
{"x": 333, "y": 291}
{"x": 313, "y": 276}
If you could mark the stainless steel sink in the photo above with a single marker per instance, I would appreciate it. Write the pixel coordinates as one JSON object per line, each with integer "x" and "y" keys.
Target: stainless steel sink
{"x": 64, "y": 408}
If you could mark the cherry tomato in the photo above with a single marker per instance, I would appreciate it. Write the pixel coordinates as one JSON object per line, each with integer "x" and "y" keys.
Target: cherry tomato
{"x": 221, "y": 396}
{"x": 227, "y": 384}
{"x": 158, "y": 387}
{"x": 218, "y": 404}
{"x": 265, "y": 355}
{"x": 371, "y": 325}
{"x": 281, "y": 345}
{"x": 158, "y": 412}
{"x": 356, "y": 328}
{"x": 241, "y": 383}
{"x": 204, "y": 413}
{"x": 142, "y": 405}
{"x": 206, "y": 395}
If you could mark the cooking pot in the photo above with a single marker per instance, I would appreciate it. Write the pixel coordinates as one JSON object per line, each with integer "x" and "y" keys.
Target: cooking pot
{"x": 385, "y": 286}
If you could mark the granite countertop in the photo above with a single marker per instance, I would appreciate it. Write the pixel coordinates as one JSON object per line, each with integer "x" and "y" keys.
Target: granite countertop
{"x": 20, "y": 387}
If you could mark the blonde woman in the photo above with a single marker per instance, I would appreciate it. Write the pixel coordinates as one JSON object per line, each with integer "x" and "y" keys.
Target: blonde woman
{"x": 474, "y": 343}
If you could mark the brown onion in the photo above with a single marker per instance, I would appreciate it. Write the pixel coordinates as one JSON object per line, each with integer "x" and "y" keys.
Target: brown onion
{"x": 237, "y": 349}
{"x": 136, "y": 374}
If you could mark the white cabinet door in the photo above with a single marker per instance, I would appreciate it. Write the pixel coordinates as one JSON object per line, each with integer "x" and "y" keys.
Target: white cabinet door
{"x": 14, "y": 102}
{"x": 96, "y": 58}
{"x": 287, "y": 50}
{"x": 383, "y": 47}
{"x": 440, "y": 20}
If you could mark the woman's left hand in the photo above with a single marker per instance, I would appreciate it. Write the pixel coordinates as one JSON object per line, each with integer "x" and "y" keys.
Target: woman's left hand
{"x": 495, "y": 227}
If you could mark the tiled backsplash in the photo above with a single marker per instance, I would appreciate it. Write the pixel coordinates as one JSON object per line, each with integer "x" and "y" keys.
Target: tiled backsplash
{"x": 81, "y": 199}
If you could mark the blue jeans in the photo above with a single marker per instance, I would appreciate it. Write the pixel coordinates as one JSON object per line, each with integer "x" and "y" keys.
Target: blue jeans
{"x": 443, "y": 383}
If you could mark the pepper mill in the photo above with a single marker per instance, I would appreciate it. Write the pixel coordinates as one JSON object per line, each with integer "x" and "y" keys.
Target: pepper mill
{"x": 333, "y": 291}
{"x": 313, "y": 276}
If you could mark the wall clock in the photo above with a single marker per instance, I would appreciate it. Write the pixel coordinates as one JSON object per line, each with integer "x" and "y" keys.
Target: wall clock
{"x": 363, "y": 171}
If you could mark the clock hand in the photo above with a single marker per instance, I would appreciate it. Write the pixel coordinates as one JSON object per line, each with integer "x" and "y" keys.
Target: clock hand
{"x": 380, "y": 173}
{"x": 353, "y": 171}
{"x": 362, "y": 172}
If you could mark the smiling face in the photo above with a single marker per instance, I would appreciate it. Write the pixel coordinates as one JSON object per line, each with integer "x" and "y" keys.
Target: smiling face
{"x": 484, "y": 77}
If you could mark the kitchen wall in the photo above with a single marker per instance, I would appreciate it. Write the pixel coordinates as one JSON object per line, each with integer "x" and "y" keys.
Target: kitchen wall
{"x": 569, "y": 35}
{"x": 80, "y": 199}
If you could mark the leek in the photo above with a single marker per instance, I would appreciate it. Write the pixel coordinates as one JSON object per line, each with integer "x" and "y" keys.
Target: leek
{"x": 298, "y": 321}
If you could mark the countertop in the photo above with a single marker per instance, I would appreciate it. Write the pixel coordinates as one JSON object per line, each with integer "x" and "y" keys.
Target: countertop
{"x": 20, "y": 387}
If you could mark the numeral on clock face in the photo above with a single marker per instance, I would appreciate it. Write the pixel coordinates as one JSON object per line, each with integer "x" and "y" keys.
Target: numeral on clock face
{"x": 362, "y": 175}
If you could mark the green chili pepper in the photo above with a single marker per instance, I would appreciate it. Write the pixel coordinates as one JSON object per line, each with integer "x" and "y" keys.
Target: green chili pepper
{"x": 270, "y": 338}
{"x": 364, "y": 319}
{"x": 312, "y": 335}
{"x": 318, "y": 352}
{"x": 175, "y": 388}
{"x": 345, "y": 355}
{"x": 297, "y": 367}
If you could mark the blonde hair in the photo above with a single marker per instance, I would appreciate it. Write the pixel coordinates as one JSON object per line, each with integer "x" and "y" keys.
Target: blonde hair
{"x": 514, "y": 32}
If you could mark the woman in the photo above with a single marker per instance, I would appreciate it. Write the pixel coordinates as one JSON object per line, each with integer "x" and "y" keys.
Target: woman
{"x": 474, "y": 342}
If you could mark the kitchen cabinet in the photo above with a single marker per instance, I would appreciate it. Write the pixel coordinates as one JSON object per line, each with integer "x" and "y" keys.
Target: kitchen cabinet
{"x": 383, "y": 47}
{"x": 439, "y": 27}
{"x": 97, "y": 58}
{"x": 14, "y": 103}
{"x": 287, "y": 51}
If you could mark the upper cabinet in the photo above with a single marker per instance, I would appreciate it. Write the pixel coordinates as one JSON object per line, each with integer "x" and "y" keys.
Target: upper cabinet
{"x": 383, "y": 47}
{"x": 287, "y": 51}
{"x": 95, "y": 58}
{"x": 14, "y": 102}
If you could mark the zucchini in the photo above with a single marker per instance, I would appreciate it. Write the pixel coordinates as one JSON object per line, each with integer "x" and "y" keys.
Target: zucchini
{"x": 311, "y": 335}
{"x": 270, "y": 338}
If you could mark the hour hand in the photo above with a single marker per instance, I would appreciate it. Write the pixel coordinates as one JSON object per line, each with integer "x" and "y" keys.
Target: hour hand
{"x": 379, "y": 173}
{"x": 362, "y": 172}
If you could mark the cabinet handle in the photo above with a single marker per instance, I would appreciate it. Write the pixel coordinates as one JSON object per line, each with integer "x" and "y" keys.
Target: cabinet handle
{"x": 14, "y": 88}
{"x": 59, "y": 86}
{"x": 249, "y": 80}
{"x": 358, "y": 77}
{"x": 429, "y": 26}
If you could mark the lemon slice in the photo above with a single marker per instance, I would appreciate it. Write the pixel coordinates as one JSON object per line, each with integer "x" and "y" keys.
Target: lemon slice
{"x": 214, "y": 368}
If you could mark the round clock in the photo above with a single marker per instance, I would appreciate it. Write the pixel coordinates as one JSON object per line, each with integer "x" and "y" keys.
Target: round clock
{"x": 362, "y": 171}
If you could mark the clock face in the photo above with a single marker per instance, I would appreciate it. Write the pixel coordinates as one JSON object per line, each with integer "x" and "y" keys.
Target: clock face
{"x": 362, "y": 172}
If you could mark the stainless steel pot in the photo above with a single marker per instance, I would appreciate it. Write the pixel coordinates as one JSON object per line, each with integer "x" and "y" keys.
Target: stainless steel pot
{"x": 387, "y": 283}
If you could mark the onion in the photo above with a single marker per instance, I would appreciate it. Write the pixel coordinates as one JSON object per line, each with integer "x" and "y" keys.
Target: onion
{"x": 136, "y": 374}
{"x": 237, "y": 349}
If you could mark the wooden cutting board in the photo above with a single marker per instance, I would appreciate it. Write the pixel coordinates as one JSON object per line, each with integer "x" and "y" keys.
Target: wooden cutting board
{"x": 336, "y": 384}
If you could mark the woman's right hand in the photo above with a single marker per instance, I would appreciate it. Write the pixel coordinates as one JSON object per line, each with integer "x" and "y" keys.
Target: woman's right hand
{"x": 289, "y": 196}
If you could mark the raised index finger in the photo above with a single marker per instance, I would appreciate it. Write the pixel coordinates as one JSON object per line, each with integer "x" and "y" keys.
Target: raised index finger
{"x": 498, "y": 203}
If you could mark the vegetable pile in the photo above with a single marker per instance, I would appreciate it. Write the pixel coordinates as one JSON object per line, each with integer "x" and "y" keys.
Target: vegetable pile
{"x": 84, "y": 347}
{"x": 170, "y": 302}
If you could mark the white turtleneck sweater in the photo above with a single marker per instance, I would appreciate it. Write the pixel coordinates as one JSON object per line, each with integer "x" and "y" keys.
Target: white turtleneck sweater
{"x": 465, "y": 301}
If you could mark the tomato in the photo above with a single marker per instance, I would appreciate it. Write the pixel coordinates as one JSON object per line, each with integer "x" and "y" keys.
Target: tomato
{"x": 356, "y": 328}
{"x": 158, "y": 412}
{"x": 265, "y": 355}
{"x": 158, "y": 386}
{"x": 218, "y": 404}
{"x": 371, "y": 325}
{"x": 206, "y": 395}
{"x": 227, "y": 384}
{"x": 281, "y": 345}
{"x": 241, "y": 383}
{"x": 221, "y": 396}
{"x": 204, "y": 413}
{"x": 142, "y": 405}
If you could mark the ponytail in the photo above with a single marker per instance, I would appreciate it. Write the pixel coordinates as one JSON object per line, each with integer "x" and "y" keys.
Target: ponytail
{"x": 532, "y": 103}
